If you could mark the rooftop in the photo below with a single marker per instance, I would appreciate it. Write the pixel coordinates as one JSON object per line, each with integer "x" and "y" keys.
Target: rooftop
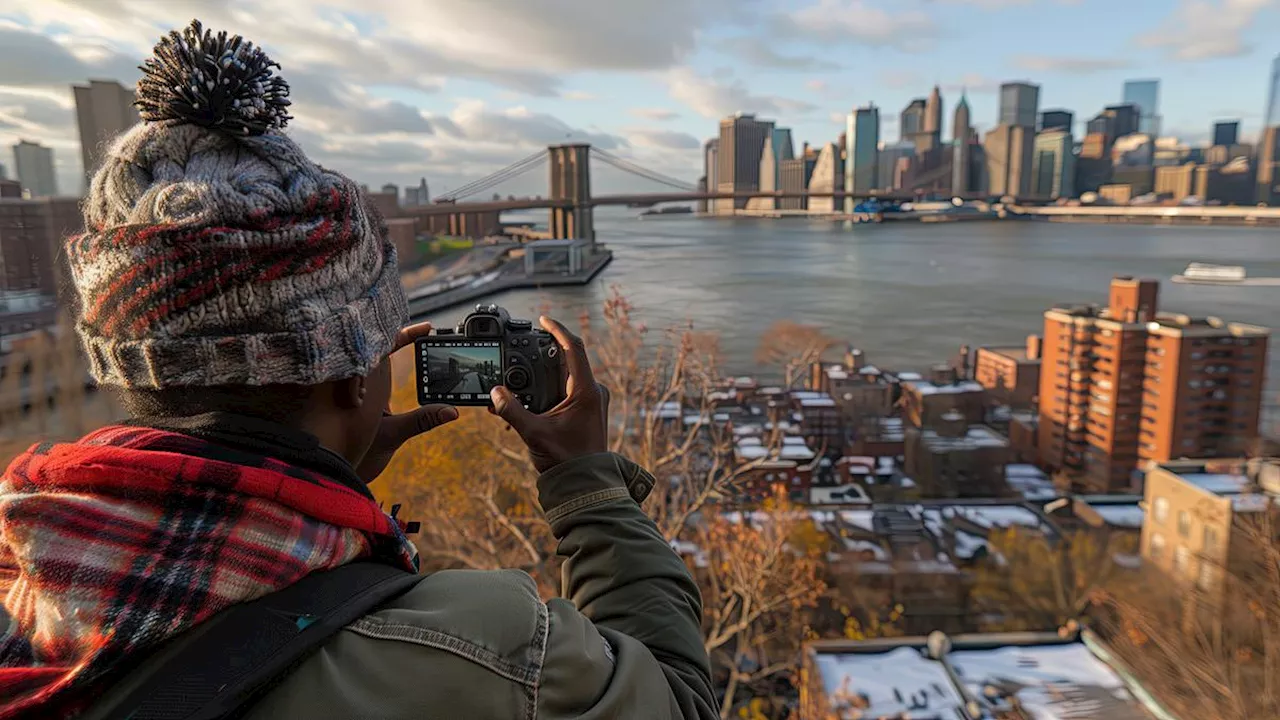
{"x": 1014, "y": 352}
{"x": 977, "y": 436}
{"x": 925, "y": 387}
{"x": 1048, "y": 677}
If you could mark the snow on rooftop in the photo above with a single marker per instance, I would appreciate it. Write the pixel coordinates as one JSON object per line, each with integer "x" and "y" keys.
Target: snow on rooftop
{"x": 863, "y": 519}
{"x": 1217, "y": 483}
{"x": 795, "y": 452}
{"x": 744, "y": 381}
{"x": 851, "y": 493}
{"x": 818, "y": 402}
{"x": 901, "y": 683}
{"x": 1124, "y": 516}
{"x": 977, "y": 436}
{"x": 752, "y": 452}
{"x": 1253, "y": 502}
{"x": 1024, "y": 469}
{"x": 1051, "y": 682}
{"x": 718, "y": 395}
{"x": 910, "y": 376}
{"x": 987, "y": 516}
{"x": 928, "y": 388}
{"x": 869, "y": 370}
{"x": 837, "y": 373}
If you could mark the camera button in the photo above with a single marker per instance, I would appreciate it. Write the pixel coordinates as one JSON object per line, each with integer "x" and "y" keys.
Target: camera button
{"x": 515, "y": 342}
{"x": 524, "y": 342}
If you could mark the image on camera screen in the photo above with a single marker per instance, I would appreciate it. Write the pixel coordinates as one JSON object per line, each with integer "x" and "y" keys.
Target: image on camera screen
{"x": 461, "y": 370}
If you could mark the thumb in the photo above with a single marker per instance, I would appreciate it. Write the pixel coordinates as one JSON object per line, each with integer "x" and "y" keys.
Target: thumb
{"x": 409, "y": 425}
{"x": 507, "y": 407}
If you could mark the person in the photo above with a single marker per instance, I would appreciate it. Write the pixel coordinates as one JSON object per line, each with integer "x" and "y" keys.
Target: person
{"x": 245, "y": 301}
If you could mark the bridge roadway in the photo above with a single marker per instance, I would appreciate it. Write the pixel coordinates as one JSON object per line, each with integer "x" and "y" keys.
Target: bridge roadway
{"x": 655, "y": 198}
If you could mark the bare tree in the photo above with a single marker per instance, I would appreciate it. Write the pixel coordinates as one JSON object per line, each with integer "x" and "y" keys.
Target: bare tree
{"x": 472, "y": 486}
{"x": 793, "y": 347}
{"x": 1207, "y": 654}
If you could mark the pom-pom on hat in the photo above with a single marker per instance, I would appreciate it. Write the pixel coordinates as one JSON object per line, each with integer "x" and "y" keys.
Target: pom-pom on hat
{"x": 216, "y": 252}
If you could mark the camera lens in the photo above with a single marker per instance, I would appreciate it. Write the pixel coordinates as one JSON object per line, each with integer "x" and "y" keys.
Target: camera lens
{"x": 517, "y": 378}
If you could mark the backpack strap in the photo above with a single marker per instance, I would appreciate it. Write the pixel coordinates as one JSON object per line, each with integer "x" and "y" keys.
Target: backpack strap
{"x": 243, "y": 651}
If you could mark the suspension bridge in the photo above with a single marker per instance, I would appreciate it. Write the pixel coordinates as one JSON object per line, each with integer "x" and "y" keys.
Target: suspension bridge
{"x": 570, "y": 200}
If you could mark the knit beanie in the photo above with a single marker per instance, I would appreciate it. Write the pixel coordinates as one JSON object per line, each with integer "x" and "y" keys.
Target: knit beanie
{"x": 216, "y": 253}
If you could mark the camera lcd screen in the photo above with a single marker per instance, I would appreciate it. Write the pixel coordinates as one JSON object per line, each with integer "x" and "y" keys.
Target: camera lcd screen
{"x": 458, "y": 372}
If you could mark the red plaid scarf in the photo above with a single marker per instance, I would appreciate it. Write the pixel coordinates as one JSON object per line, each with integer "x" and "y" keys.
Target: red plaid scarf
{"x": 113, "y": 544}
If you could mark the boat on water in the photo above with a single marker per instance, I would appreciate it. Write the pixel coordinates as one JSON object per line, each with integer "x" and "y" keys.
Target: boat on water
{"x": 1198, "y": 273}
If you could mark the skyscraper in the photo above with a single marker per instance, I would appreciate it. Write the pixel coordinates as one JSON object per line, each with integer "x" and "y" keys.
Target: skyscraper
{"x": 34, "y": 163}
{"x": 961, "y": 124}
{"x": 1053, "y": 165}
{"x": 828, "y": 176}
{"x": 1269, "y": 166}
{"x": 1009, "y": 156}
{"x": 1226, "y": 132}
{"x": 104, "y": 109}
{"x": 1126, "y": 119}
{"x": 1056, "y": 120}
{"x": 1145, "y": 94}
{"x": 711, "y": 169}
{"x": 911, "y": 121}
{"x": 741, "y": 146}
{"x": 1019, "y": 104}
{"x": 784, "y": 148}
{"x": 861, "y": 168}
{"x": 1272, "y": 114}
{"x": 933, "y": 112}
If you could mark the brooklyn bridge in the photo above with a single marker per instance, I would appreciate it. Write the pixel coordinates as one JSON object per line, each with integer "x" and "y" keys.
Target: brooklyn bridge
{"x": 570, "y": 200}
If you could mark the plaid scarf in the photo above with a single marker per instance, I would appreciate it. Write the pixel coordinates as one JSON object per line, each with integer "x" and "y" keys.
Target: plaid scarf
{"x": 113, "y": 544}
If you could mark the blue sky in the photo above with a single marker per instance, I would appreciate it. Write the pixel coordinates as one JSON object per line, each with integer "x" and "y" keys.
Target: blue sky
{"x": 450, "y": 89}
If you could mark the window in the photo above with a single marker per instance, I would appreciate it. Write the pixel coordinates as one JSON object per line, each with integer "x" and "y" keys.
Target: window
{"x": 1157, "y": 546}
{"x": 1181, "y": 560}
{"x": 1205, "y": 578}
{"x": 1210, "y": 539}
{"x": 1162, "y": 509}
{"x": 1184, "y": 523}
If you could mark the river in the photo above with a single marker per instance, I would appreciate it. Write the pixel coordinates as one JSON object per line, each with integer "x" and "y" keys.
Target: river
{"x": 908, "y": 294}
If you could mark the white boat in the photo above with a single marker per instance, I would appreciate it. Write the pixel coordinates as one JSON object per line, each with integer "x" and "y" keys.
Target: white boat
{"x": 1210, "y": 274}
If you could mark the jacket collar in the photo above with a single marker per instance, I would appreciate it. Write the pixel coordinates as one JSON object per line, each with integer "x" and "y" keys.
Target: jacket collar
{"x": 262, "y": 437}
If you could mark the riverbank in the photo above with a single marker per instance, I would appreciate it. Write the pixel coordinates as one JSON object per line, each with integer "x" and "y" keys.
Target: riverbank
{"x": 510, "y": 275}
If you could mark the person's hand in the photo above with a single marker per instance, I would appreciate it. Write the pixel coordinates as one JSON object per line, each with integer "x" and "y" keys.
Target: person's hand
{"x": 396, "y": 430}
{"x": 574, "y": 428}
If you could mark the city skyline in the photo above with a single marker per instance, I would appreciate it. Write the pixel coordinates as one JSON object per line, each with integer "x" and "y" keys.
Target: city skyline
{"x": 393, "y": 101}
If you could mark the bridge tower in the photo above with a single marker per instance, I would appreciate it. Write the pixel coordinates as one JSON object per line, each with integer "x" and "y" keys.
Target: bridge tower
{"x": 571, "y": 181}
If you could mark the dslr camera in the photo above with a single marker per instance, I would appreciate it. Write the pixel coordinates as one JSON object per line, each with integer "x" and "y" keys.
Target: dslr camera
{"x": 460, "y": 366}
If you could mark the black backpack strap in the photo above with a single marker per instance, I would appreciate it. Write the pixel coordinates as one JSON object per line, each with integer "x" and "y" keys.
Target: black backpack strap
{"x": 247, "y": 648}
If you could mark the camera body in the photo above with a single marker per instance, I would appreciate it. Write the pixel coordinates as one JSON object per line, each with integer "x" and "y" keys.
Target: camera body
{"x": 460, "y": 366}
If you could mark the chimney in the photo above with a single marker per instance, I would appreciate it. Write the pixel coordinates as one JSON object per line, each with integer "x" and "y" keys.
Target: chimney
{"x": 854, "y": 359}
{"x": 1033, "y": 347}
{"x": 942, "y": 375}
{"x": 951, "y": 424}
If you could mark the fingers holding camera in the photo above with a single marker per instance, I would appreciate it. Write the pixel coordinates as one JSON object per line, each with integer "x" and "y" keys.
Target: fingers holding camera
{"x": 576, "y": 427}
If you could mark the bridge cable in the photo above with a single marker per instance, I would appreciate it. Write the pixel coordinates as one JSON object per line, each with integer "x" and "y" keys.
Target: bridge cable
{"x": 490, "y": 181}
{"x": 507, "y": 171}
{"x": 517, "y": 168}
{"x": 639, "y": 170}
{"x": 643, "y": 172}
{"x": 486, "y": 184}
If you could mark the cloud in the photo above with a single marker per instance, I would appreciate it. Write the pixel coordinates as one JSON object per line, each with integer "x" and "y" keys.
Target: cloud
{"x": 817, "y": 86}
{"x": 712, "y": 99}
{"x": 857, "y": 22}
{"x": 664, "y": 139}
{"x": 1069, "y": 65}
{"x": 580, "y": 95}
{"x": 659, "y": 114}
{"x": 985, "y": 4}
{"x": 973, "y": 84}
{"x": 898, "y": 78}
{"x": 29, "y": 59}
{"x": 1205, "y": 30}
{"x": 757, "y": 51}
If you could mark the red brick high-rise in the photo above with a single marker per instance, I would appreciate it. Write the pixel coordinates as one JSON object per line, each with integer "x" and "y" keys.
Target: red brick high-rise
{"x": 1125, "y": 384}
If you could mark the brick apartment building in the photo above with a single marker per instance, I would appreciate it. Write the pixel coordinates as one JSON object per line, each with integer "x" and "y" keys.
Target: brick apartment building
{"x": 1011, "y": 375}
{"x": 1197, "y": 514}
{"x": 1125, "y": 385}
{"x": 924, "y": 402}
{"x": 953, "y": 459}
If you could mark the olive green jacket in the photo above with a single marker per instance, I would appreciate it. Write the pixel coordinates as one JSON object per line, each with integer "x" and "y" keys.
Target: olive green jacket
{"x": 624, "y": 642}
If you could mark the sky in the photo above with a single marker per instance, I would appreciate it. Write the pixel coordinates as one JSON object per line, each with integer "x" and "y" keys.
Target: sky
{"x": 452, "y": 90}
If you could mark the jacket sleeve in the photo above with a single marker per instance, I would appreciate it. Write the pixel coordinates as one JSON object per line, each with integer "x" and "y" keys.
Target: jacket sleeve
{"x": 626, "y": 639}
